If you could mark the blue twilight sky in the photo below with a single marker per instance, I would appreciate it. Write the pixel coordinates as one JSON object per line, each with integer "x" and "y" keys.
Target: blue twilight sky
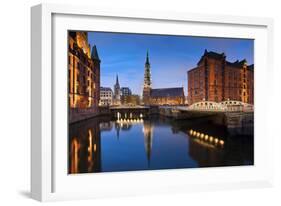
{"x": 170, "y": 57}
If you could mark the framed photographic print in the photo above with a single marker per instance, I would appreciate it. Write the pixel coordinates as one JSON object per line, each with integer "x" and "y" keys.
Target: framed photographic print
{"x": 136, "y": 102}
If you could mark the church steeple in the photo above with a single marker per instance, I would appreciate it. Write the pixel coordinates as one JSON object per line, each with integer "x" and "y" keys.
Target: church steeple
{"x": 147, "y": 74}
{"x": 147, "y": 59}
{"x": 117, "y": 92}
{"x": 147, "y": 81}
{"x": 117, "y": 81}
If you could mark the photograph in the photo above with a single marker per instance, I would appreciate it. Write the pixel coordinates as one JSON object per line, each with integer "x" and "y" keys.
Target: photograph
{"x": 142, "y": 102}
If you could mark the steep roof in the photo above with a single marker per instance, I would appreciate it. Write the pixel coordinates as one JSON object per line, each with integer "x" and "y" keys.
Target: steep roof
{"x": 105, "y": 89}
{"x": 167, "y": 92}
{"x": 237, "y": 63}
{"x": 95, "y": 55}
{"x": 211, "y": 54}
{"x": 251, "y": 67}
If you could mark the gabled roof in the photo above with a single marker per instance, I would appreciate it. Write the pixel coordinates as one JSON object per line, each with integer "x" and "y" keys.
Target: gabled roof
{"x": 167, "y": 92}
{"x": 211, "y": 54}
{"x": 237, "y": 63}
{"x": 251, "y": 67}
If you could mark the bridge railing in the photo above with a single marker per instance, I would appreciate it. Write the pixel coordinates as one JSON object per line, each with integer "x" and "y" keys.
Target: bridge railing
{"x": 226, "y": 106}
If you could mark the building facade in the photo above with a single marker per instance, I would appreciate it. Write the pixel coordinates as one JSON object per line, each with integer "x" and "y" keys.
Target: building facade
{"x": 106, "y": 96}
{"x": 126, "y": 91}
{"x": 167, "y": 96}
{"x": 216, "y": 79}
{"x": 83, "y": 72}
{"x": 131, "y": 100}
{"x": 161, "y": 96}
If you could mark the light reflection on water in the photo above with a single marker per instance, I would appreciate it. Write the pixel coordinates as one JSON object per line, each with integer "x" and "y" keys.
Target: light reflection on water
{"x": 103, "y": 145}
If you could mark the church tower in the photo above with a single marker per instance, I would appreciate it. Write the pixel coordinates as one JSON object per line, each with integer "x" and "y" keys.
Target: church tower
{"x": 117, "y": 92}
{"x": 147, "y": 81}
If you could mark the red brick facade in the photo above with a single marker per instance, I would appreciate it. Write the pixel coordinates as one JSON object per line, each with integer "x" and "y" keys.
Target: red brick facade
{"x": 84, "y": 72}
{"x": 215, "y": 79}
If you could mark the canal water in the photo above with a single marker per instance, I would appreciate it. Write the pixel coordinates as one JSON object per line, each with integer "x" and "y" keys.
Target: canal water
{"x": 105, "y": 145}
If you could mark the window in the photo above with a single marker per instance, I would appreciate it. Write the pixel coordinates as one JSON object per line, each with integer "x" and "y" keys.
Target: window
{"x": 84, "y": 79}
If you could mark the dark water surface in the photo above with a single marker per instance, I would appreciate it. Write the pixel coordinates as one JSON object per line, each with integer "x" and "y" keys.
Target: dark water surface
{"x": 103, "y": 145}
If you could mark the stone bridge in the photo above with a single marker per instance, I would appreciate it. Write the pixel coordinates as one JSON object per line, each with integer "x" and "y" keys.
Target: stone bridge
{"x": 224, "y": 106}
{"x": 130, "y": 112}
{"x": 235, "y": 115}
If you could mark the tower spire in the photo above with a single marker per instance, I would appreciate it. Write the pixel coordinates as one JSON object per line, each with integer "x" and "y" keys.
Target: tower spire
{"x": 117, "y": 81}
{"x": 117, "y": 92}
{"x": 147, "y": 74}
{"x": 147, "y": 81}
{"x": 147, "y": 58}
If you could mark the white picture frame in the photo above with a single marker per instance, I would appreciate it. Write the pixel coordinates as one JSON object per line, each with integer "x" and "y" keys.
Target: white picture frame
{"x": 50, "y": 181}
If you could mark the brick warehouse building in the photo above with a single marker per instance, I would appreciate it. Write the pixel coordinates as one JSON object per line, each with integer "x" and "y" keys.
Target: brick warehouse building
{"x": 84, "y": 72}
{"x": 216, "y": 79}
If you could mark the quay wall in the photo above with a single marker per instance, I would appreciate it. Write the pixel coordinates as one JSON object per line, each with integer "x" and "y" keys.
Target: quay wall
{"x": 76, "y": 115}
{"x": 235, "y": 122}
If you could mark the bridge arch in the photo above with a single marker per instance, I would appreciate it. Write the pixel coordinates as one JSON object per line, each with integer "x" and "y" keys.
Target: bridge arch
{"x": 129, "y": 112}
{"x": 235, "y": 105}
{"x": 207, "y": 105}
{"x": 228, "y": 105}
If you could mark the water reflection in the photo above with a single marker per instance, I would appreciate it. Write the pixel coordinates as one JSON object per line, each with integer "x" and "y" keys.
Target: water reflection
{"x": 103, "y": 145}
{"x": 85, "y": 151}
{"x": 206, "y": 139}
{"x": 148, "y": 137}
{"x": 74, "y": 155}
